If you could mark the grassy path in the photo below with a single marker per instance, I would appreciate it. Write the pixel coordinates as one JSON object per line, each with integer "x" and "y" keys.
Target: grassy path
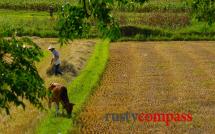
{"x": 155, "y": 77}
{"x": 78, "y": 91}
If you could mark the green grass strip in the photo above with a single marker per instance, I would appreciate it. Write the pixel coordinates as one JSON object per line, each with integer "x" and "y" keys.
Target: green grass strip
{"x": 79, "y": 91}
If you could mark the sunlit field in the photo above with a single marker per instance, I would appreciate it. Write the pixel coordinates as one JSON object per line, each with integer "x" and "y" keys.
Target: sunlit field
{"x": 154, "y": 77}
{"x": 129, "y": 66}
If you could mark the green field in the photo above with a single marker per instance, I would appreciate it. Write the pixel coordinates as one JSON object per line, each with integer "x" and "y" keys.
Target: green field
{"x": 27, "y": 23}
{"x": 134, "y": 26}
{"x": 153, "y": 20}
{"x": 41, "y": 5}
{"x": 151, "y": 5}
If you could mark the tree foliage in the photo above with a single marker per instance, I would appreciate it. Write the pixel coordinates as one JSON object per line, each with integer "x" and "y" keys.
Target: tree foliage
{"x": 72, "y": 22}
{"x": 19, "y": 78}
{"x": 75, "y": 21}
{"x": 204, "y": 10}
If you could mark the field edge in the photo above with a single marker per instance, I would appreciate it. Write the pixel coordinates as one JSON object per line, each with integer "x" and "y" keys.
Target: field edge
{"x": 79, "y": 91}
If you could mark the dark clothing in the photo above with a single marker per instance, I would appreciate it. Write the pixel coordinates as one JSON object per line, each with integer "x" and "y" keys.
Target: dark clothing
{"x": 57, "y": 69}
{"x": 51, "y": 11}
{"x": 56, "y": 62}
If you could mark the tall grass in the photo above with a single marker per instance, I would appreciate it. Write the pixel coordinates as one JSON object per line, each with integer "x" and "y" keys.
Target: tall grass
{"x": 148, "y": 26}
{"x": 39, "y": 5}
{"x": 154, "y": 5}
{"x": 150, "y": 5}
{"x": 166, "y": 20}
{"x": 79, "y": 91}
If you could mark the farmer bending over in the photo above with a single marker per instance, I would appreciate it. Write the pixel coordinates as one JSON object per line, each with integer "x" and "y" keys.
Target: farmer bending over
{"x": 55, "y": 60}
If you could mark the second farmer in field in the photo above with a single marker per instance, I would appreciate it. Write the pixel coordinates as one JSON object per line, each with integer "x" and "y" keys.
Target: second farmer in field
{"x": 55, "y": 60}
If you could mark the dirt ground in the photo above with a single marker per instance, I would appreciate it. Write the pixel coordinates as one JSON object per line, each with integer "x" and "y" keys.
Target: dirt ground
{"x": 155, "y": 77}
{"x": 73, "y": 57}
